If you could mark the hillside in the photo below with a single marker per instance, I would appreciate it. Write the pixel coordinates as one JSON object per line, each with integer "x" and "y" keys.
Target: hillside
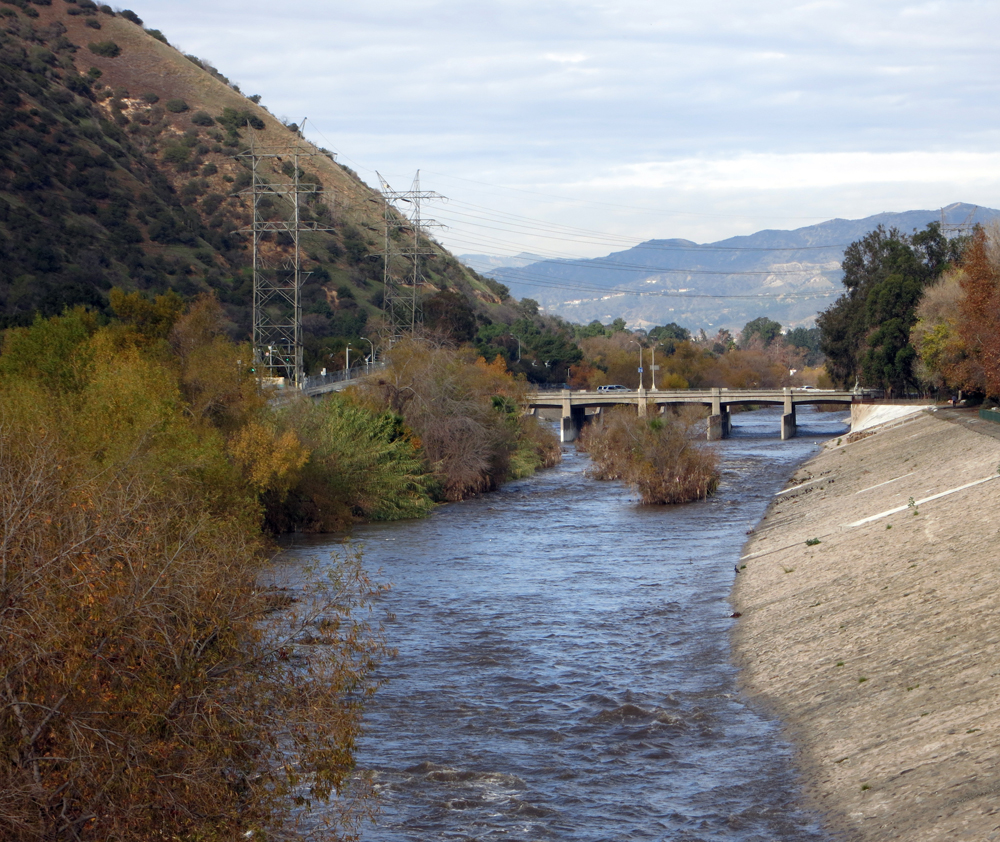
{"x": 119, "y": 166}
{"x": 787, "y": 276}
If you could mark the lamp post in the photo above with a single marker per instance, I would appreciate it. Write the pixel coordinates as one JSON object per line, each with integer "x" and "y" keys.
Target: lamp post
{"x": 347, "y": 365}
{"x": 371, "y": 359}
{"x": 652, "y": 362}
{"x": 636, "y": 342}
{"x": 518, "y": 338}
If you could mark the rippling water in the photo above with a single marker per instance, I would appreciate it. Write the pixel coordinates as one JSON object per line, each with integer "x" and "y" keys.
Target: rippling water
{"x": 563, "y": 668}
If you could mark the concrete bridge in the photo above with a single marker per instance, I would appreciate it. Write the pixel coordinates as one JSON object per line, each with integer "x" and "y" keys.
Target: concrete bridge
{"x": 576, "y": 406}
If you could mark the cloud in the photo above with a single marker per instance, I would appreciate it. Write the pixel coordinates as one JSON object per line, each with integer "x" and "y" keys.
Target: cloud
{"x": 815, "y": 170}
{"x": 779, "y": 108}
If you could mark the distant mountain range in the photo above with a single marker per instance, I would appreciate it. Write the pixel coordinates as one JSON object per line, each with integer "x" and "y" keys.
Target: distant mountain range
{"x": 788, "y": 276}
{"x": 486, "y": 263}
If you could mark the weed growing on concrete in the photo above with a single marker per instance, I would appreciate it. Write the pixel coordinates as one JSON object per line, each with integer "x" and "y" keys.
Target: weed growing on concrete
{"x": 862, "y": 679}
{"x": 812, "y": 542}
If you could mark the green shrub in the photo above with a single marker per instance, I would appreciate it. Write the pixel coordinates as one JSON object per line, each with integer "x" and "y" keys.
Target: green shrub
{"x": 235, "y": 120}
{"x": 176, "y": 154}
{"x": 159, "y": 36}
{"x": 107, "y": 49}
{"x": 93, "y": 23}
{"x": 363, "y": 464}
{"x": 128, "y": 14}
{"x": 176, "y": 106}
{"x": 202, "y": 118}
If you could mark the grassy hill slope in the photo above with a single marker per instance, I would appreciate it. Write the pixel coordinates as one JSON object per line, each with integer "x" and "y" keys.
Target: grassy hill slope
{"x": 119, "y": 166}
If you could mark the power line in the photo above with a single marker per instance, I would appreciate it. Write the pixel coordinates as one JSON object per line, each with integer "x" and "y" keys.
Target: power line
{"x": 547, "y": 283}
{"x": 535, "y": 226}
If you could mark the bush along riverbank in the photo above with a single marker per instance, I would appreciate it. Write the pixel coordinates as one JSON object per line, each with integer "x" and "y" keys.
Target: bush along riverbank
{"x": 143, "y": 695}
{"x": 139, "y": 459}
{"x": 868, "y": 626}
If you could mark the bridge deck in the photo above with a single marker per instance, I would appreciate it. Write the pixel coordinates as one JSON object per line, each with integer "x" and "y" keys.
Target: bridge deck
{"x": 726, "y": 397}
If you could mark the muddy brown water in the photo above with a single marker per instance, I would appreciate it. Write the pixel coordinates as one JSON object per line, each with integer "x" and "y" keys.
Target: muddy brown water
{"x": 564, "y": 669}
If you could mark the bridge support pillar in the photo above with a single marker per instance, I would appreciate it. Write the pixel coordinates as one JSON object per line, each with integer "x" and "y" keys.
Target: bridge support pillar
{"x": 642, "y": 402}
{"x": 719, "y": 425}
{"x": 571, "y": 424}
{"x": 788, "y": 427}
{"x": 572, "y": 419}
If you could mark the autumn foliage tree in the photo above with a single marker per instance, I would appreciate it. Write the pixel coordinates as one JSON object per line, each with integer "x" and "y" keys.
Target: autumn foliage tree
{"x": 956, "y": 333}
{"x": 979, "y": 308}
{"x": 144, "y": 694}
{"x": 465, "y": 412}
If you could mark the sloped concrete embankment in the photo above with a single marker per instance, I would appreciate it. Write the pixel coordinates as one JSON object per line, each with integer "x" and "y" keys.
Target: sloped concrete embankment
{"x": 878, "y": 646}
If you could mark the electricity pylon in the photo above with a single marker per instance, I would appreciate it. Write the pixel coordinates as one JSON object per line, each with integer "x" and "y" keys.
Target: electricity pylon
{"x": 277, "y": 277}
{"x": 401, "y": 303}
{"x": 958, "y": 229}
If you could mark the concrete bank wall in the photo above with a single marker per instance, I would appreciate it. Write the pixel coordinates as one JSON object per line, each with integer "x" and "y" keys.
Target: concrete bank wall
{"x": 877, "y": 643}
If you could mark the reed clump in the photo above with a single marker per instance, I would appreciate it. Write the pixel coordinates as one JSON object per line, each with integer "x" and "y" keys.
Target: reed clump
{"x": 658, "y": 456}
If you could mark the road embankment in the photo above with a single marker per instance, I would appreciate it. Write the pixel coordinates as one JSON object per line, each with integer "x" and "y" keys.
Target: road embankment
{"x": 871, "y": 628}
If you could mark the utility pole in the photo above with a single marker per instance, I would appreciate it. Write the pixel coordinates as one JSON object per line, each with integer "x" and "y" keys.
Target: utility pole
{"x": 401, "y": 303}
{"x": 278, "y": 277}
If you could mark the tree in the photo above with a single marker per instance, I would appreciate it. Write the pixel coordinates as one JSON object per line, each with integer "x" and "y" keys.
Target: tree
{"x": 449, "y": 313}
{"x": 464, "y": 411}
{"x": 943, "y": 360}
{"x": 668, "y": 336}
{"x": 140, "y": 672}
{"x": 761, "y": 331}
{"x": 865, "y": 334}
{"x": 980, "y": 306}
{"x": 807, "y": 339}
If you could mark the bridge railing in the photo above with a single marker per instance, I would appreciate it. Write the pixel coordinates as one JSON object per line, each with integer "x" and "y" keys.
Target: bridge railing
{"x": 315, "y": 381}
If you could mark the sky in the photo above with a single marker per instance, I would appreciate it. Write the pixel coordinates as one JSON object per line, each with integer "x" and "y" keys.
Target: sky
{"x": 580, "y": 128}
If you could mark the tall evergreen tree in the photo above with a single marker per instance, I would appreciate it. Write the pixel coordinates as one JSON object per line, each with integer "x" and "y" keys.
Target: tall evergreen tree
{"x": 865, "y": 334}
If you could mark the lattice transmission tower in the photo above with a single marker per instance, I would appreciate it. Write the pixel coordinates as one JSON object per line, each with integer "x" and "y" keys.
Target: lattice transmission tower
{"x": 964, "y": 228}
{"x": 277, "y": 277}
{"x": 401, "y": 303}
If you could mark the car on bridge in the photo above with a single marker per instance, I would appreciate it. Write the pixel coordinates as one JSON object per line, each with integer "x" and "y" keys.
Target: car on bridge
{"x": 615, "y": 388}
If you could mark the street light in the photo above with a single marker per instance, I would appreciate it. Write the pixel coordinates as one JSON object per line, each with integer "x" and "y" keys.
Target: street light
{"x": 518, "y": 338}
{"x": 371, "y": 359}
{"x": 347, "y": 367}
{"x": 652, "y": 362}
{"x": 636, "y": 342}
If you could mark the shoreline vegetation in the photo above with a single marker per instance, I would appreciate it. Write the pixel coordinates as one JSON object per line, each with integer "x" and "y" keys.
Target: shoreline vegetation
{"x": 866, "y": 601}
{"x": 143, "y": 667}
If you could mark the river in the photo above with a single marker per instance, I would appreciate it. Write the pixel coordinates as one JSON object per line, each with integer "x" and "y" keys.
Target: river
{"x": 564, "y": 668}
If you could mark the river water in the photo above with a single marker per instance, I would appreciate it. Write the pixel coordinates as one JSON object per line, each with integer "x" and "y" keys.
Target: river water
{"x": 564, "y": 669}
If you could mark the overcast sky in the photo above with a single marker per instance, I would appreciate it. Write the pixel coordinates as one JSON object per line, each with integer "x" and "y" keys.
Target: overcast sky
{"x": 631, "y": 118}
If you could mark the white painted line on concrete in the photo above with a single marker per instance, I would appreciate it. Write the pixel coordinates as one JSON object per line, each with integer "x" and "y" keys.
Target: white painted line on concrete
{"x": 924, "y": 500}
{"x": 802, "y": 485}
{"x": 904, "y": 476}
